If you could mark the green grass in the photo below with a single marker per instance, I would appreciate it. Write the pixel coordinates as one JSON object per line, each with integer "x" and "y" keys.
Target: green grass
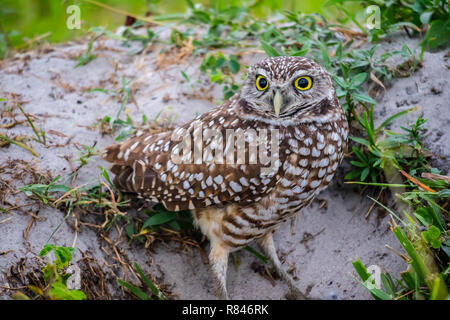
{"x": 21, "y": 21}
{"x": 150, "y": 291}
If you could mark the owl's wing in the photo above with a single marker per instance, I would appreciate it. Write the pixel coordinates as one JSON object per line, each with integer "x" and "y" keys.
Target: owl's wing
{"x": 145, "y": 165}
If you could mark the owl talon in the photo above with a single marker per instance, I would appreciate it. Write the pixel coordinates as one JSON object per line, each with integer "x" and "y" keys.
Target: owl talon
{"x": 295, "y": 294}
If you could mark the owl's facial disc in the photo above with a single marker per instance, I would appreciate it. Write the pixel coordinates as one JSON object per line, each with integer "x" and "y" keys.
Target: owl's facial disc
{"x": 280, "y": 98}
{"x": 286, "y": 87}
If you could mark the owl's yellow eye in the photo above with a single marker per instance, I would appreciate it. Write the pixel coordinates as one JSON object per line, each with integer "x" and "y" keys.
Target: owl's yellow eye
{"x": 303, "y": 83}
{"x": 261, "y": 83}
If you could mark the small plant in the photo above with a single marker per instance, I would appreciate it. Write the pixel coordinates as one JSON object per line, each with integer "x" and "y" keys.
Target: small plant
{"x": 408, "y": 15}
{"x": 98, "y": 195}
{"x": 423, "y": 233}
{"x": 221, "y": 69}
{"x": 138, "y": 292}
{"x": 86, "y": 154}
{"x": 409, "y": 146}
{"x": 126, "y": 126}
{"x": 375, "y": 151}
{"x": 55, "y": 277}
{"x": 86, "y": 57}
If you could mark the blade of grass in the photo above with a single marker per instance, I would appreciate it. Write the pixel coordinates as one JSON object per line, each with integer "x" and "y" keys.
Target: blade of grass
{"x": 36, "y": 132}
{"x": 135, "y": 290}
{"x": 149, "y": 283}
{"x": 392, "y": 185}
{"x": 19, "y": 145}
{"x": 257, "y": 254}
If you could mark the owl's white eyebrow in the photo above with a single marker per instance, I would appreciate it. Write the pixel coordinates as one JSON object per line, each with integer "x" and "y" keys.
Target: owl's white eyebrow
{"x": 302, "y": 73}
{"x": 262, "y": 72}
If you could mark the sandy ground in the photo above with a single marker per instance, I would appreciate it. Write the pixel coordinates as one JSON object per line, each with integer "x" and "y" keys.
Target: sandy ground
{"x": 326, "y": 239}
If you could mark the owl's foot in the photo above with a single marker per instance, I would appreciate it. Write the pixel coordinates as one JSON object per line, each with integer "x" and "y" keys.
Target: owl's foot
{"x": 218, "y": 259}
{"x": 296, "y": 294}
{"x": 268, "y": 247}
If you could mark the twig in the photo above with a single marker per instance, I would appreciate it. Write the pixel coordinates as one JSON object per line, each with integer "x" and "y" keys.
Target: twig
{"x": 373, "y": 205}
{"x": 417, "y": 182}
{"x": 6, "y": 220}
{"x": 434, "y": 176}
{"x": 123, "y": 12}
{"x": 405, "y": 258}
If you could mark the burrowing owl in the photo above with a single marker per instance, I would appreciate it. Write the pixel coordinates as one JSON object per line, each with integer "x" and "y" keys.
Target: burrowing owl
{"x": 237, "y": 192}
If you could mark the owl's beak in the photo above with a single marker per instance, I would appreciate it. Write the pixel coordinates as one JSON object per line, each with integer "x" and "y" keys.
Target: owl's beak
{"x": 277, "y": 102}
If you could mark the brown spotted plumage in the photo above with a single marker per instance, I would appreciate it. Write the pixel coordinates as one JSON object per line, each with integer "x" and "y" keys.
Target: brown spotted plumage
{"x": 233, "y": 199}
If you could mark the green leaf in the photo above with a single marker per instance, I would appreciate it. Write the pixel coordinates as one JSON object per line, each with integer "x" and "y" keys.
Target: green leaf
{"x": 149, "y": 283}
{"x": 358, "y": 80}
{"x": 216, "y": 77}
{"x": 434, "y": 232}
{"x": 18, "y": 295}
{"x": 47, "y": 248}
{"x": 438, "y": 34}
{"x": 340, "y": 82}
{"x": 257, "y": 254}
{"x": 270, "y": 51}
{"x": 364, "y": 174}
{"x": 59, "y": 291}
{"x": 435, "y": 243}
{"x": 325, "y": 56}
{"x": 136, "y": 291}
{"x": 358, "y": 164}
{"x": 63, "y": 255}
{"x": 388, "y": 284}
{"x": 425, "y": 17}
{"x": 360, "y": 140}
{"x": 362, "y": 97}
{"x": 376, "y": 292}
{"x": 233, "y": 64}
{"x": 159, "y": 218}
{"x": 392, "y": 118}
{"x": 352, "y": 175}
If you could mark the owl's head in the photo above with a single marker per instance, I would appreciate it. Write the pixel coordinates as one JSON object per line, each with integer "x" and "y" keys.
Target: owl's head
{"x": 283, "y": 88}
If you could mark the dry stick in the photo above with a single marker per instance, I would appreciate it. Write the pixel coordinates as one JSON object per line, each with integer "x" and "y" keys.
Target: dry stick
{"x": 417, "y": 182}
{"x": 35, "y": 39}
{"x": 123, "y": 12}
{"x": 6, "y": 220}
{"x": 405, "y": 258}
{"x": 67, "y": 193}
{"x": 373, "y": 205}
{"x": 404, "y": 295}
{"x": 434, "y": 176}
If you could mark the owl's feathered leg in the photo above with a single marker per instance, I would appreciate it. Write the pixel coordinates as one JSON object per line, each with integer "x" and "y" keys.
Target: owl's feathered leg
{"x": 218, "y": 259}
{"x": 268, "y": 248}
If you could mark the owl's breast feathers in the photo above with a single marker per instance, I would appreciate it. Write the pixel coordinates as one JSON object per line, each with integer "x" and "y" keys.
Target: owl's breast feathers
{"x": 197, "y": 178}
